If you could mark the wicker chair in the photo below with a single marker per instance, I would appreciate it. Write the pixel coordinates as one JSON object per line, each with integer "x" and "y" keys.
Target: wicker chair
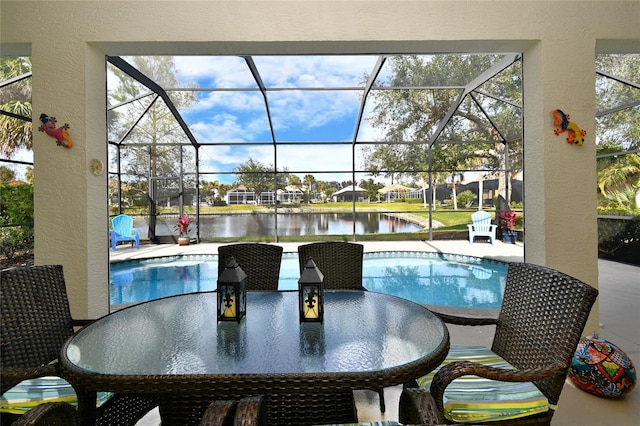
{"x": 36, "y": 322}
{"x": 340, "y": 263}
{"x": 250, "y": 411}
{"x": 537, "y": 331}
{"x": 261, "y": 263}
{"x": 49, "y": 414}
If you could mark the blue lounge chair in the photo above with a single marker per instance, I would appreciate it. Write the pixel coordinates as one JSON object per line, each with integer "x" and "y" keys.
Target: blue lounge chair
{"x": 123, "y": 230}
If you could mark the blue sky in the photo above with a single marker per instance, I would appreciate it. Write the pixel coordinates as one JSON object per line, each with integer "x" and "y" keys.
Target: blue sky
{"x": 300, "y": 116}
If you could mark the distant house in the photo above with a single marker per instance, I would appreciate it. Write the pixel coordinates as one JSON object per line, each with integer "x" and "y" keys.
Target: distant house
{"x": 350, "y": 193}
{"x": 490, "y": 190}
{"x": 240, "y": 195}
{"x": 290, "y": 194}
{"x": 267, "y": 197}
{"x": 393, "y": 191}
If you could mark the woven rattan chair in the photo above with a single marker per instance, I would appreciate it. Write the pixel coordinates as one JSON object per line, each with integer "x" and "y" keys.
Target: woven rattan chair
{"x": 49, "y": 414}
{"x": 250, "y": 411}
{"x": 341, "y": 264}
{"x": 261, "y": 262}
{"x": 537, "y": 331}
{"x": 36, "y": 322}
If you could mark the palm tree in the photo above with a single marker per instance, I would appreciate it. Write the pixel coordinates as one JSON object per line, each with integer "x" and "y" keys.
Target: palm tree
{"x": 625, "y": 172}
{"x": 308, "y": 181}
{"x": 15, "y": 99}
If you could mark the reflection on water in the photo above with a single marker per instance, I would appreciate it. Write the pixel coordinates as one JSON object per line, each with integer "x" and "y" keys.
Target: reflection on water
{"x": 426, "y": 278}
{"x": 289, "y": 224}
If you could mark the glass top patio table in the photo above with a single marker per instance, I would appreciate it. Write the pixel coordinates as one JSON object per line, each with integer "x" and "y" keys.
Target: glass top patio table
{"x": 176, "y": 344}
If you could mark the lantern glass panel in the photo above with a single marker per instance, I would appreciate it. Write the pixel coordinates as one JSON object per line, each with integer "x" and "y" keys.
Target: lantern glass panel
{"x": 311, "y": 302}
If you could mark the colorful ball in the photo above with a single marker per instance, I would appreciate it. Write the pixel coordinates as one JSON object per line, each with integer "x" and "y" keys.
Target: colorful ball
{"x": 601, "y": 368}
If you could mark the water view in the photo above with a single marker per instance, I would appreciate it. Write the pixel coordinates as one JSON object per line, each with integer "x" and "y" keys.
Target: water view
{"x": 289, "y": 224}
{"x": 424, "y": 277}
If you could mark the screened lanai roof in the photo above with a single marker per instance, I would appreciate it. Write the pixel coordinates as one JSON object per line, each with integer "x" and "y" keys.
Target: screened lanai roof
{"x": 319, "y": 99}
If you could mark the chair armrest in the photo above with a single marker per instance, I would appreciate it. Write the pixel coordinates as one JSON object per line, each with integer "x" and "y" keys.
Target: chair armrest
{"x": 453, "y": 319}
{"x": 136, "y": 232}
{"x": 251, "y": 411}
{"x": 417, "y": 407}
{"x": 50, "y": 414}
{"x": 18, "y": 374}
{"x": 218, "y": 413}
{"x": 452, "y": 371}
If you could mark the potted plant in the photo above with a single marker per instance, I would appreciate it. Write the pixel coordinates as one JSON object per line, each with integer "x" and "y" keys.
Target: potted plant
{"x": 508, "y": 221}
{"x": 182, "y": 226}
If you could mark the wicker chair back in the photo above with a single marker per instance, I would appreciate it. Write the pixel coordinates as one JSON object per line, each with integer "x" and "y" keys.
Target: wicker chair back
{"x": 340, "y": 263}
{"x": 261, "y": 262}
{"x": 541, "y": 321}
{"x": 35, "y": 317}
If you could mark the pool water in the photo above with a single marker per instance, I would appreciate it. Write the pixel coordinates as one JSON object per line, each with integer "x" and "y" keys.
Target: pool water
{"x": 423, "y": 277}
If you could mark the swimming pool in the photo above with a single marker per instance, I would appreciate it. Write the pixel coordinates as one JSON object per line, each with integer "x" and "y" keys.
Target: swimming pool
{"x": 424, "y": 277}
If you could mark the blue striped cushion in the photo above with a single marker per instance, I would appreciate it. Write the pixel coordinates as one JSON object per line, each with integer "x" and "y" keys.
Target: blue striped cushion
{"x": 30, "y": 393}
{"x": 475, "y": 399}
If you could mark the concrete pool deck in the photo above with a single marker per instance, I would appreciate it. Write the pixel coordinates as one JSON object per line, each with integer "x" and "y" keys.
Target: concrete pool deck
{"x": 497, "y": 251}
{"x": 619, "y": 299}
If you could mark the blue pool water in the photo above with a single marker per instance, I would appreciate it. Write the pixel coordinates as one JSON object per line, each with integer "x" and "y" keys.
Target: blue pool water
{"x": 424, "y": 277}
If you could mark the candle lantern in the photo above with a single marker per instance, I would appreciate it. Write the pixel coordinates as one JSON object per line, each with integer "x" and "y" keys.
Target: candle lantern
{"x": 311, "y": 293}
{"x": 232, "y": 292}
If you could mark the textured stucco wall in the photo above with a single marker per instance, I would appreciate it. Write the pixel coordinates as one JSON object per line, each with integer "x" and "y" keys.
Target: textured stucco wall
{"x": 68, "y": 41}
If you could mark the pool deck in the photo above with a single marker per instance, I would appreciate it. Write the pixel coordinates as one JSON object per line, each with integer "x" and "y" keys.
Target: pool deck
{"x": 497, "y": 251}
{"x": 619, "y": 299}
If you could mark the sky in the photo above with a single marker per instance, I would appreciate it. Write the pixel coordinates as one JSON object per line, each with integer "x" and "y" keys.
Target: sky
{"x": 297, "y": 115}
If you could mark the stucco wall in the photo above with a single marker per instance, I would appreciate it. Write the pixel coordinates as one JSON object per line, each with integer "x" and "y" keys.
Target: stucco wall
{"x": 68, "y": 41}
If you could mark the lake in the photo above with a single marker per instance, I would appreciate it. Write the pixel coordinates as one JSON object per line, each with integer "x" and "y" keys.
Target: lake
{"x": 238, "y": 225}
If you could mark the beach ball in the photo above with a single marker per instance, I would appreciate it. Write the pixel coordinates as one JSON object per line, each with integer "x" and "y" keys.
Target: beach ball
{"x": 601, "y": 368}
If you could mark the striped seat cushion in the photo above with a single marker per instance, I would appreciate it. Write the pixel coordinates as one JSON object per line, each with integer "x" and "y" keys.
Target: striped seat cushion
{"x": 473, "y": 399}
{"x": 374, "y": 423}
{"x": 30, "y": 393}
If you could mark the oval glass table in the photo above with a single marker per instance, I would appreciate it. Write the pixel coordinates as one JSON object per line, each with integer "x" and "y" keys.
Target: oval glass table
{"x": 175, "y": 348}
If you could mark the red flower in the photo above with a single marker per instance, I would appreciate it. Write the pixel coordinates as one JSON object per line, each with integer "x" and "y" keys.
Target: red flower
{"x": 183, "y": 225}
{"x": 508, "y": 219}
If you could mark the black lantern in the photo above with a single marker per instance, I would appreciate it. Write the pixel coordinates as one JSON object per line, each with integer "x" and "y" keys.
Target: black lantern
{"x": 311, "y": 293}
{"x": 232, "y": 292}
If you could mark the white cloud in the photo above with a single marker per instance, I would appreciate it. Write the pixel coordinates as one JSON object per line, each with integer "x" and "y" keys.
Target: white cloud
{"x": 293, "y": 112}
{"x": 215, "y": 71}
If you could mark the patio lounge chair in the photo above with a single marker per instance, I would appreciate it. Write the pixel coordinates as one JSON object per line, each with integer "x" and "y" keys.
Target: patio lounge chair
{"x": 341, "y": 264}
{"x": 123, "y": 230}
{"x": 261, "y": 262}
{"x": 35, "y": 323}
{"x": 537, "y": 331}
{"x": 481, "y": 226}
